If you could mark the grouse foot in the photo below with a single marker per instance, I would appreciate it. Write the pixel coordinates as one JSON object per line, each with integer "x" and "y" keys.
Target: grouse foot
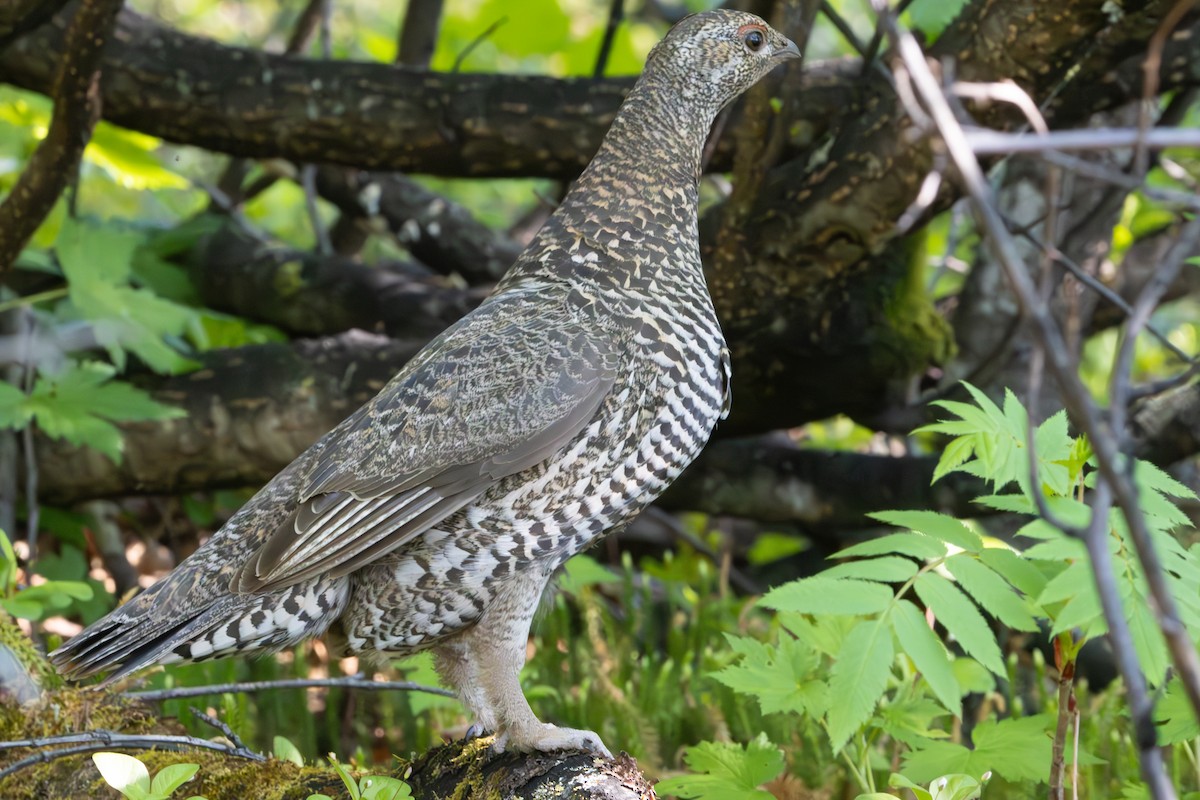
{"x": 545, "y": 737}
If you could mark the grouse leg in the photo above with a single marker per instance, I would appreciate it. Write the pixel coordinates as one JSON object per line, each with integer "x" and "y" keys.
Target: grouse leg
{"x": 497, "y": 647}
{"x": 453, "y": 662}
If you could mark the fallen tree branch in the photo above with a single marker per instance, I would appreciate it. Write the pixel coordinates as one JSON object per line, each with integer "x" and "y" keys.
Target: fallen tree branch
{"x": 245, "y": 102}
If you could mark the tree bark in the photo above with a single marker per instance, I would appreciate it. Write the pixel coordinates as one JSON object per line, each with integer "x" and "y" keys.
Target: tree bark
{"x": 244, "y": 102}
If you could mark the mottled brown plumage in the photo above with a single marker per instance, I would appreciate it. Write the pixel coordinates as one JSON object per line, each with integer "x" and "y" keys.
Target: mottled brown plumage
{"x": 435, "y": 515}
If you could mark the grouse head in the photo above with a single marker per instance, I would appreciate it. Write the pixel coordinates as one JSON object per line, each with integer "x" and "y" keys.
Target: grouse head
{"x": 711, "y": 58}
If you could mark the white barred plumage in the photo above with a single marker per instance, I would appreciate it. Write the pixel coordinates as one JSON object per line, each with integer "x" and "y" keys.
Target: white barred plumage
{"x": 435, "y": 516}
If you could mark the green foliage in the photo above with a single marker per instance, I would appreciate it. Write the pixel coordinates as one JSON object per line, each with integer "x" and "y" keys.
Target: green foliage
{"x": 726, "y": 771}
{"x": 370, "y": 787}
{"x": 130, "y": 777}
{"x": 79, "y": 404}
{"x": 39, "y": 600}
{"x": 97, "y": 262}
{"x": 947, "y": 787}
{"x": 857, "y": 650}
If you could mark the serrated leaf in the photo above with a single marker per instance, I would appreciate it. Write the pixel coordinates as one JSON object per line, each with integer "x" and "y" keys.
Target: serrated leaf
{"x": 939, "y": 526}
{"x": 917, "y": 545}
{"x": 1147, "y": 640}
{"x": 780, "y": 678}
{"x": 859, "y": 678}
{"x": 1017, "y": 749}
{"x": 171, "y": 777}
{"x": 991, "y": 592}
{"x": 14, "y": 411}
{"x": 1152, "y": 476}
{"x": 124, "y": 773}
{"x": 731, "y": 772}
{"x": 911, "y": 720}
{"x": 920, "y": 643}
{"x": 1072, "y": 581}
{"x": 1174, "y": 715}
{"x": 885, "y": 569}
{"x": 961, "y": 618}
{"x": 94, "y": 255}
{"x": 1016, "y": 570}
{"x": 78, "y": 404}
{"x": 820, "y": 595}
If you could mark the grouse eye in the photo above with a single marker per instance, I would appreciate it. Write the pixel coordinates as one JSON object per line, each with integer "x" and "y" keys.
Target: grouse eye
{"x": 754, "y": 40}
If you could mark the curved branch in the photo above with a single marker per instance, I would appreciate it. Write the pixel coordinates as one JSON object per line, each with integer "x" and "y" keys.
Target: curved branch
{"x": 76, "y": 111}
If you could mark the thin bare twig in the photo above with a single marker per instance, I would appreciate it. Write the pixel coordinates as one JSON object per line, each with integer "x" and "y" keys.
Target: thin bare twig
{"x": 478, "y": 40}
{"x": 843, "y": 28}
{"x": 1100, "y": 172}
{"x": 1097, "y": 286}
{"x": 1107, "y": 452}
{"x": 95, "y": 741}
{"x": 226, "y": 731}
{"x": 250, "y": 687}
{"x": 1151, "y": 68}
{"x": 990, "y": 143}
{"x": 616, "y": 12}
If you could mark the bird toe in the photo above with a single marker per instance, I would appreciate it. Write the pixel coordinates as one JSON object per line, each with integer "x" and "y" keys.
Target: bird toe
{"x": 548, "y": 738}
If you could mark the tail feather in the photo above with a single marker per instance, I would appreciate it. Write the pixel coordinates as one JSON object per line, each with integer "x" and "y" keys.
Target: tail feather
{"x": 125, "y": 644}
{"x": 154, "y": 628}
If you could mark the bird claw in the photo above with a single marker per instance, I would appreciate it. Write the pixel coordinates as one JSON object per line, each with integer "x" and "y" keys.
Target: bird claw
{"x": 546, "y": 738}
{"x": 476, "y": 731}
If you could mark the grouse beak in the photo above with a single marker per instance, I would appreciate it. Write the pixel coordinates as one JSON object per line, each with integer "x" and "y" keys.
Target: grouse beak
{"x": 786, "y": 52}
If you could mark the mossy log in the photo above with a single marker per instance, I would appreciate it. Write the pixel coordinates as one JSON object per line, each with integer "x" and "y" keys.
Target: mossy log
{"x": 463, "y": 770}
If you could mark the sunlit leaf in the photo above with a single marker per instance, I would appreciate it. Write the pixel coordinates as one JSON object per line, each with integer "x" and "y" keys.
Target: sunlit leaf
{"x": 727, "y": 771}
{"x": 859, "y": 678}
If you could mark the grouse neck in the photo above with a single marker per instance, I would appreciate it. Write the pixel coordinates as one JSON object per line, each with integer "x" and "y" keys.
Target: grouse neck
{"x": 658, "y": 134}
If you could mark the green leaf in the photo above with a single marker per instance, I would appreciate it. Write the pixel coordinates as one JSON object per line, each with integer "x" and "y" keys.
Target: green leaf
{"x": 911, "y": 720}
{"x": 885, "y": 569}
{"x": 917, "y": 545}
{"x": 972, "y": 676}
{"x": 1018, "y": 749}
{"x": 769, "y": 547}
{"x": 129, "y": 157}
{"x": 171, "y": 777}
{"x": 382, "y": 787}
{"x": 583, "y": 571}
{"x": 1174, "y": 715}
{"x": 730, "y": 772}
{"x": 918, "y": 641}
{"x": 124, "y": 773}
{"x": 1013, "y": 568}
{"x": 15, "y": 412}
{"x": 79, "y": 403}
{"x": 961, "y": 618}
{"x": 939, "y": 526}
{"x": 991, "y": 592}
{"x": 860, "y": 675}
{"x": 780, "y": 678}
{"x": 347, "y": 780}
{"x": 932, "y": 16}
{"x": 821, "y": 595}
{"x": 97, "y": 261}
{"x": 285, "y": 750}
